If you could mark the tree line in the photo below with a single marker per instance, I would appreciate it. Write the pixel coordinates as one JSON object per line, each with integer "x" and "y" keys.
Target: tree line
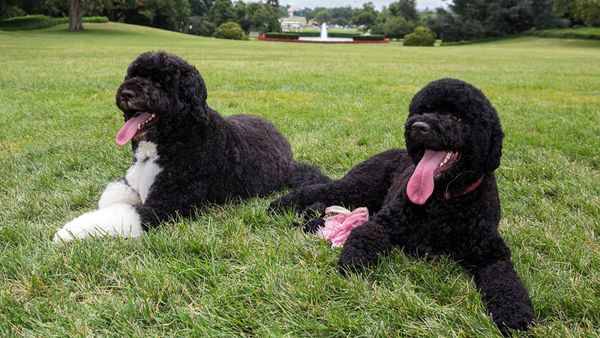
{"x": 200, "y": 17}
{"x": 460, "y": 20}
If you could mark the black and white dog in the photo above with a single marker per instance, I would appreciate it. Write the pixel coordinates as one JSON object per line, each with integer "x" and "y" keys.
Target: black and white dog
{"x": 186, "y": 155}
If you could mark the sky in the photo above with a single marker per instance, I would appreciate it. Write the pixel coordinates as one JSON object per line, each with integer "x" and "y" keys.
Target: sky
{"x": 421, "y": 4}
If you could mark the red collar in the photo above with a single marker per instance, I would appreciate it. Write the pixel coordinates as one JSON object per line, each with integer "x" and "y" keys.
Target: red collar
{"x": 473, "y": 186}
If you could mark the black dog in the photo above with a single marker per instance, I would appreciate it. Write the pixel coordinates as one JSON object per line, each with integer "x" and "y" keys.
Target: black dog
{"x": 439, "y": 197}
{"x": 186, "y": 155}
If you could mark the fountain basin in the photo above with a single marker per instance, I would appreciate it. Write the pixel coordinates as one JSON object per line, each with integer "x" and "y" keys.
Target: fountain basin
{"x": 311, "y": 39}
{"x": 320, "y": 39}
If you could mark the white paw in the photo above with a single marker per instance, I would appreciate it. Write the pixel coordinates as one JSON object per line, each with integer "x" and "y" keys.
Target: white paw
{"x": 118, "y": 192}
{"x": 115, "y": 220}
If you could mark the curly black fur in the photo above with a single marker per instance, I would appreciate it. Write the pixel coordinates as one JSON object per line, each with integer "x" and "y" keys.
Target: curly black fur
{"x": 454, "y": 221}
{"x": 205, "y": 158}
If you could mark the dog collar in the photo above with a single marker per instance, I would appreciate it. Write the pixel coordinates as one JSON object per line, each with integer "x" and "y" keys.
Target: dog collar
{"x": 473, "y": 186}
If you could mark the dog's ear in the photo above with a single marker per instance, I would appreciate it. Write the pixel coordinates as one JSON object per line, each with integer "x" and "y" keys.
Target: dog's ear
{"x": 194, "y": 89}
{"x": 495, "y": 147}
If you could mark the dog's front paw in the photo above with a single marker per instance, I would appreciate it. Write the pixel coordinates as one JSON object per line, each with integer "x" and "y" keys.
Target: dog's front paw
{"x": 115, "y": 220}
{"x": 518, "y": 317}
{"x": 313, "y": 225}
{"x": 363, "y": 247}
{"x": 352, "y": 261}
{"x": 118, "y": 192}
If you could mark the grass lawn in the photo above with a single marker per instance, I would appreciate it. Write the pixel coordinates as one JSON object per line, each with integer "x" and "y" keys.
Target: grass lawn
{"x": 239, "y": 271}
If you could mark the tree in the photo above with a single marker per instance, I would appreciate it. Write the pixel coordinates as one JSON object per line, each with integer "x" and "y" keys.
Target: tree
{"x": 365, "y": 16}
{"x": 583, "y": 11}
{"x": 200, "y": 7}
{"x": 115, "y": 10}
{"x": 323, "y": 16}
{"x": 76, "y": 12}
{"x": 397, "y": 27}
{"x": 241, "y": 15}
{"x": 339, "y": 21}
{"x": 77, "y": 8}
{"x": 341, "y": 13}
{"x": 258, "y": 17}
{"x": 200, "y": 25}
{"x": 308, "y": 14}
{"x": 477, "y": 19}
{"x": 221, "y": 11}
{"x": 282, "y": 12}
{"x": 589, "y": 12}
{"x": 405, "y": 8}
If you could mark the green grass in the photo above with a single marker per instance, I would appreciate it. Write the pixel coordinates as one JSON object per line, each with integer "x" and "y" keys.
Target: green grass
{"x": 592, "y": 33}
{"x": 239, "y": 271}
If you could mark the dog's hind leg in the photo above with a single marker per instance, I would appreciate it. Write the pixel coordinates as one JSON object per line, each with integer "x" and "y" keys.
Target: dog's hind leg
{"x": 304, "y": 174}
{"x": 364, "y": 186}
{"x": 118, "y": 191}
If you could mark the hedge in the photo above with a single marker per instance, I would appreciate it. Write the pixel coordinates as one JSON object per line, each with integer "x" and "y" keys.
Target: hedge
{"x": 368, "y": 37}
{"x": 287, "y": 36}
{"x": 27, "y": 22}
{"x": 591, "y": 33}
{"x": 30, "y": 22}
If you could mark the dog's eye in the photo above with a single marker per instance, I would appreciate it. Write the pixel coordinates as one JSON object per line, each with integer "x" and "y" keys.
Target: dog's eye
{"x": 157, "y": 84}
{"x": 455, "y": 118}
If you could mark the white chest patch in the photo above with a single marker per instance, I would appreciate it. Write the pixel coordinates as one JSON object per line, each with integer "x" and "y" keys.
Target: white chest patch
{"x": 143, "y": 172}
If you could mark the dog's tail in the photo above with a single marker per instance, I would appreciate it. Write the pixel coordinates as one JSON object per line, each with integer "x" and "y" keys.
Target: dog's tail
{"x": 305, "y": 174}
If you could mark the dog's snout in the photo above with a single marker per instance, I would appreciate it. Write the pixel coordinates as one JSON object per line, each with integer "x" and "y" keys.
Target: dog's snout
{"x": 420, "y": 127}
{"x": 127, "y": 94}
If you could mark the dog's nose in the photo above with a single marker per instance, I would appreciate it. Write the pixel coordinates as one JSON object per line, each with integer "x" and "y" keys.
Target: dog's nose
{"x": 127, "y": 94}
{"x": 420, "y": 127}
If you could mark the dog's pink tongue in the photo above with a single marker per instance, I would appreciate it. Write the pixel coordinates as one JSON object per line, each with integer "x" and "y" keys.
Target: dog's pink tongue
{"x": 420, "y": 186}
{"x": 127, "y": 132}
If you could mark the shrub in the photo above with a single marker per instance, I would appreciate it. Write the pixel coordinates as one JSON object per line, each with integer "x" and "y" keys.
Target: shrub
{"x": 27, "y": 22}
{"x": 30, "y": 22}
{"x": 230, "y": 30}
{"x": 311, "y": 34}
{"x": 420, "y": 37}
{"x": 287, "y": 36}
{"x": 368, "y": 38}
{"x": 95, "y": 19}
{"x": 340, "y": 35}
{"x": 86, "y": 19}
{"x": 569, "y": 33}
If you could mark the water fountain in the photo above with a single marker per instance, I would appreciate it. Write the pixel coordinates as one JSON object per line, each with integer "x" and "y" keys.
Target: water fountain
{"x": 324, "y": 37}
{"x": 323, "y": 31}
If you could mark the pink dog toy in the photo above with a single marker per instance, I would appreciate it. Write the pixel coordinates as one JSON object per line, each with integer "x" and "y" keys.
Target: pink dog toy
{"x": 337, "y": 228}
